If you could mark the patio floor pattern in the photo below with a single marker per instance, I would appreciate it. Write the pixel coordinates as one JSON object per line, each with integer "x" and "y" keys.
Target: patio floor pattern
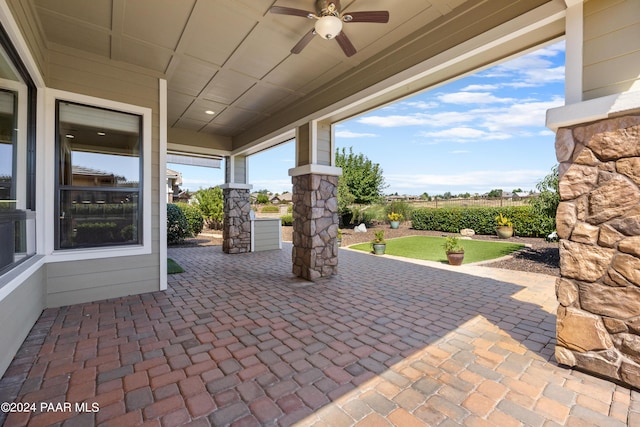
{"x": 238, "y": 340}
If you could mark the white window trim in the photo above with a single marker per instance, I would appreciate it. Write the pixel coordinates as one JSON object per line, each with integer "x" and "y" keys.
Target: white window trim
{"x": 20, "y": 174}
{"x": 53, "y": 255}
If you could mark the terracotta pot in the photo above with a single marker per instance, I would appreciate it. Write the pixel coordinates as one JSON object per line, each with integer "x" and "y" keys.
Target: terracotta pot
{"x": 504, "y": 232}
{"x": 455, "y": 258}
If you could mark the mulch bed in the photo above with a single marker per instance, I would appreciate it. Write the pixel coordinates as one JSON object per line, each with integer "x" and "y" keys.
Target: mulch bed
{"x": 539, "y": 256}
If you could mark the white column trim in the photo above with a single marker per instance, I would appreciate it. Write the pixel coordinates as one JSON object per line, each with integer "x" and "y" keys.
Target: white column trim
{"x": 313, "y": 142}
{"x": 574, "y": 43}
{"x": 316, "y": 170}
{"x": 162, "y": 109}
{"x": 593, "y": 109}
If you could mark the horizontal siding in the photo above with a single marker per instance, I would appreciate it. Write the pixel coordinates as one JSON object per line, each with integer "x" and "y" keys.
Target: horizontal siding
{"x": 24, "y": 14}
{"x": 89, "y": 280}
{"x": 19, "y": 311}
{"x": 611, "y": 51}
{"x": 266, "y": 235}
{"x": 96, "y": 294}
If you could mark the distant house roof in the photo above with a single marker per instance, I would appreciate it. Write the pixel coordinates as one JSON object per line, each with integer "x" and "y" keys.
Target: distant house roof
{"x": 177, "y": 176}
{"x": 285, "y": 197}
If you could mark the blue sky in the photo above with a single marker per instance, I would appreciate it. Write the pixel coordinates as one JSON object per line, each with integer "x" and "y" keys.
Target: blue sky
{"x": 475, "y": 134}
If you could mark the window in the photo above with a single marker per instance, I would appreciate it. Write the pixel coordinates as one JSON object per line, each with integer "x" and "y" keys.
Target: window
{"x": 99, "y": 177}
{"x": 17, "y": 158}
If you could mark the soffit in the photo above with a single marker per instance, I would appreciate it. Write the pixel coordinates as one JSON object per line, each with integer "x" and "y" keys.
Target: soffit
{"x": 233, "y": 57}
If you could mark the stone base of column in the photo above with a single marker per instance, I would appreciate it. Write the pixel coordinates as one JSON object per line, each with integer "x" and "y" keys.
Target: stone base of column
{"x": 236, "y": 229}
{"x": 315, "y": 226}
{"x": 598, "y": 221}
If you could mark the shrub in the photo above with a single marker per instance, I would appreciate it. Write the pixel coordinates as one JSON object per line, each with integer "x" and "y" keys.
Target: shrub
{"x": 177, "y": 224}
{"x": 287, "y": 220}
{"x": 270, "y": 209}
{"x": 399, "y": 207}
{"x": 211, "y": 204}
{"x": 95, "y": 232}
{"x": 130, "y": 232}
{"x": 194, "y": 217}
{"x": 526, "y": 221}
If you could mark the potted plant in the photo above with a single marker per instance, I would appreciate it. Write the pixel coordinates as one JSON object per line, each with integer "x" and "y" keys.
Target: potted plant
{"x": 454, "y": 250}
{"x": 378, "y": 243}
{"x": 504, "y": 227}
{"x": 394, "y": 219}
{"x": 339, "y": 237}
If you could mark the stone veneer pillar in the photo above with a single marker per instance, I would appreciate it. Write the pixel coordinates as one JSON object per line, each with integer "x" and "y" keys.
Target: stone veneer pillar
{"x": 315, "y": 226}
{"x": 236, "y": 229}
{"x": 598, "y": 221}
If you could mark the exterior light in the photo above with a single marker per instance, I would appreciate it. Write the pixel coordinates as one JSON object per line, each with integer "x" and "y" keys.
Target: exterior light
{"x": 328, "y": 26}
{"x": 211, "y": 113}
{"x": 101, "y": 133}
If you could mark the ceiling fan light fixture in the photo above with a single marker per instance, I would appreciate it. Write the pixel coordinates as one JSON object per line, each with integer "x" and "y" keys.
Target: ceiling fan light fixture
{"x": 328, "y": 27}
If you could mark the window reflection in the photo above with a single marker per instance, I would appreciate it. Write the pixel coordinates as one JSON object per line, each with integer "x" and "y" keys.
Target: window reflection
{"x": 7, "y": 148}
{"x": 99, "y": 166}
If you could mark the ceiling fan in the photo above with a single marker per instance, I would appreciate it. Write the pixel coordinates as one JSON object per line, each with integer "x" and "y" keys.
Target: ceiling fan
{"x": 329, "y": 20}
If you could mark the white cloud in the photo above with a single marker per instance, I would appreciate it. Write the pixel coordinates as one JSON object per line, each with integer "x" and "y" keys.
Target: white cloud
{"x": 476, "y": 181}
{"x": 446, "y": 118}
{"x": 422, "y": 105}
{"x": 349, "y": 134}
{"x": 464, "y": 134}
{"x": 473, "y": 98}
{"x": 531, "y": 70}
{"x": 472, "y": 88}
{"x": 519, "y": 116}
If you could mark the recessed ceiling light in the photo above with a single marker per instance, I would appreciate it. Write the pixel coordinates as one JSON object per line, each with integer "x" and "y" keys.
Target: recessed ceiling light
{"x": 210, "y": 112}
{"x": 70, "y": 136}
{"x": 101, "y": 133}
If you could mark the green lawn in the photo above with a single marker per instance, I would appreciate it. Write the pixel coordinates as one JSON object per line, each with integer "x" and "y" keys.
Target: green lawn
{"x": 173, "y": 267}
{"x": 430, "y": 248}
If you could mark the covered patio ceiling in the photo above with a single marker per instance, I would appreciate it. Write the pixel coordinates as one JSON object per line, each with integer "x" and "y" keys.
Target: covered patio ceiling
{"x": 233, "y": 57}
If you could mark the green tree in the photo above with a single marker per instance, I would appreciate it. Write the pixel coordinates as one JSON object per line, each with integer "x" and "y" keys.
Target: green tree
{"x": 495, "y": 193}
{"x": 547, "y": 202}
{"x": 211, "y": 204}
{"x": 262, "y": 199}
{"x": 362, "y": 177}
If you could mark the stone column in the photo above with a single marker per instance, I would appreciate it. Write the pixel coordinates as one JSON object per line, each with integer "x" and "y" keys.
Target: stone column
{"x": 236, "y": 228}
{"x": 315, "y": 226}
{"x": 598, "y": 221}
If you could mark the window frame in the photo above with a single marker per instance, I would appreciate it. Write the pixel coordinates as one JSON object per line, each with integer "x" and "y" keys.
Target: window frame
{"x": 70, "y": 187}
{"x": 52, "y": 97}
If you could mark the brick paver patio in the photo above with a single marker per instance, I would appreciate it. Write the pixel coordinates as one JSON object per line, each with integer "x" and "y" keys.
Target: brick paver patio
{"x": 237, "y": 340}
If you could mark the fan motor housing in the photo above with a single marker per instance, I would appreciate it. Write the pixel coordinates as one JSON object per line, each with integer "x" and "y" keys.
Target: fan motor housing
{"x": 328, "y": 7}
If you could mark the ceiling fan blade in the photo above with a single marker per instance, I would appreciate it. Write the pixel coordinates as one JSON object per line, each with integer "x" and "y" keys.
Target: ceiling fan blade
{"x": 280, "y": 10}
{"x": 376, "y": 16}
{"x": 345, "y": 44}
{"x": 304, "y": 41}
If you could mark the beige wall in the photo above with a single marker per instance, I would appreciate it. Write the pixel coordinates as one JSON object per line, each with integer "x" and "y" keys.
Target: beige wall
{"x": 611, "y": 57}
{"x": 23, "y": 14}
{"x": 19, "y": 310}
{"x": 79, "y": 281}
